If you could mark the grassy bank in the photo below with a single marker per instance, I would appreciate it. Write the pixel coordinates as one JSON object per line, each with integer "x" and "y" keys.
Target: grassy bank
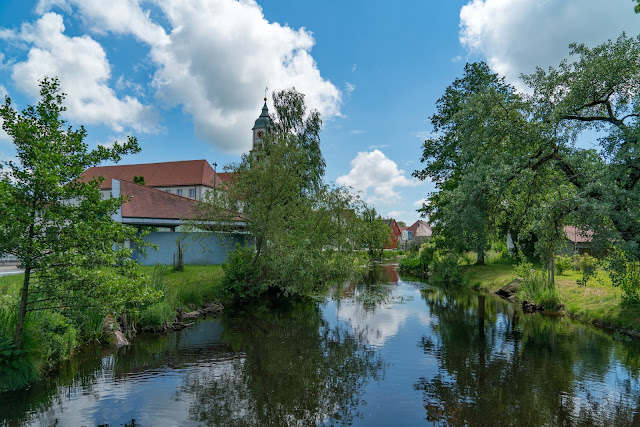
{"x": 50, "y": 337}
{"x": 189, "y": 289}
{"x": 598, "y": 302}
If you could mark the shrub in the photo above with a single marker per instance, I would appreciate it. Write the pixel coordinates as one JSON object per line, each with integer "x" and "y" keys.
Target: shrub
{"x": 625, "y": 273}
{"x": 563, "y": 263}
{"x": 240, "y": 281}
{"x": 156, "y": 314}
{"x": 583, "y": 262}
{"x": 56, "y": 335}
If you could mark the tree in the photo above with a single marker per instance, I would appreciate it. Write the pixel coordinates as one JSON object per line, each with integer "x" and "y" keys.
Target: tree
{"x": 375, "y": 234}
{"x": 57, "y": 225}
{"x": 598, "y": 92}
{"x": 302, "y": 230}
{"x": 481, "y": 132}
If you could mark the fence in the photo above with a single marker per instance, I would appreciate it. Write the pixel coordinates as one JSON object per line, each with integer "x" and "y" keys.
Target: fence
{"x": 8, "y": 259}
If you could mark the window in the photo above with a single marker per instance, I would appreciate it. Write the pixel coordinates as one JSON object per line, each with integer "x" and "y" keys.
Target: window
{"x": 179, "y": 192}
{"x": 192, "y": 192}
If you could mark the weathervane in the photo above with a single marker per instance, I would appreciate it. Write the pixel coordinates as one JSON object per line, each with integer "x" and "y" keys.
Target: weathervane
{"x": 265, "y": 93}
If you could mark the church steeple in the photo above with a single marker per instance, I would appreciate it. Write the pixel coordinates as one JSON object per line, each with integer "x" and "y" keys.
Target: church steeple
{"x": 260, "y": 126}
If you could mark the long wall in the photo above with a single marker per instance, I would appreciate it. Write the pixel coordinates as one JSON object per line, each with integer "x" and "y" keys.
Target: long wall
{"x": 197, "y": 248}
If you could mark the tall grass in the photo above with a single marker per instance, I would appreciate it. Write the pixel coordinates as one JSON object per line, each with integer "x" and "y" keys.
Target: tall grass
{"x": 536, "y": 287}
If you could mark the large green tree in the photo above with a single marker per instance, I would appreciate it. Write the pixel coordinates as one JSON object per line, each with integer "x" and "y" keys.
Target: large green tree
{"x": 57, "y": 225}
{"x": 481, "y": 138}
{"x": 598, "y": 92}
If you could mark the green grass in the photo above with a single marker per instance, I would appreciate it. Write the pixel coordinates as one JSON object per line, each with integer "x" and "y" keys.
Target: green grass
{"x": 188, "y": 289}
{"x": 598, "y": 302}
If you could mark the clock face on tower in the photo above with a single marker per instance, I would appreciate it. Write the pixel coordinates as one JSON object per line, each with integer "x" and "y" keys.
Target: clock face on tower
{"x": 260, "y": 134}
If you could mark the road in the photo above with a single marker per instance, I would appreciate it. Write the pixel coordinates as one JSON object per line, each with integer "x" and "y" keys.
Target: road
{"x": 6, "y": 270}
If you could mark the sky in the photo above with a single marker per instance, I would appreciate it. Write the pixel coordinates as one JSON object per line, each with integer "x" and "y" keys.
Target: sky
{"x": 188, "y": 77}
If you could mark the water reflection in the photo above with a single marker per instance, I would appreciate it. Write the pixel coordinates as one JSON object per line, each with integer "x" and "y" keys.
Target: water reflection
{"x": 268, "y": 366}
{"x": 500, "y": 367}
{"x": 295, "y": 369}
{"x": 380, "y": 351}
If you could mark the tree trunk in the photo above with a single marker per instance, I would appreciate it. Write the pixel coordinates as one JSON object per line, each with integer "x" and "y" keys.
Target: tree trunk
{"x": 258, "y": 250}
{"x": 480, "y": 259}
{"x": 22, "y": 313}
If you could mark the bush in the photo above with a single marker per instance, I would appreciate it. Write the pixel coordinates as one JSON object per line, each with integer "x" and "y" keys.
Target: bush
{"x": 625, "y": 273}
{"x": 440, "y": 264}
{"x": 56, "y": 335}
{"x": 240, "y": 281}
{"x": 563, "y": 263}
{"x": 156, "y": 314}
{"x": 583, "y": 262}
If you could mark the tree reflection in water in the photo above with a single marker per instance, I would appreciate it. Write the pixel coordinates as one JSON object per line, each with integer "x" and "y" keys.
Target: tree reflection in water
{"x": 500, "y": 367}
{"x": 294, "y": 370}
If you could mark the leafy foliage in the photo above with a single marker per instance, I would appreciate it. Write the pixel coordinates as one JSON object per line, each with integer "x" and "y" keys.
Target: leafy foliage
{"x": 56, "y": 224}
{"x": 506, "y": 162}
{"x": 302, "y": 230}
{"x": 563, "y": 263}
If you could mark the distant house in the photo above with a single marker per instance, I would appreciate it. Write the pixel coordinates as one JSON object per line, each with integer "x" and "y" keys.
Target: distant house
{"x": 420, "y": 232}
{"x": 394, "y": 233}
{"x": 577, "y": 241}
{"x": 406, "y": 238}
{"x": 191, "y": 178}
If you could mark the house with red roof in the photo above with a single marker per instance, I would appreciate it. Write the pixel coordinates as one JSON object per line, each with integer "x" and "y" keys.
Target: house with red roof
{"x": 168, "y": 200}
{"x": 577, "y": 241}
{"x": 191, "y": 178}
{"x": 166, "y": 212}
{"x": 394, "y": 233}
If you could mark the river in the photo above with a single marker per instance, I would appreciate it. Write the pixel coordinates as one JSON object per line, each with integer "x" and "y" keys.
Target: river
{"x": 384, "y": 350}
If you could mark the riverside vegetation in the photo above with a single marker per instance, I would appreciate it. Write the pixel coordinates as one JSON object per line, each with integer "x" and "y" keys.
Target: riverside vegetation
{"x": 78, "y": 270}
{"x": 582, "y": 288}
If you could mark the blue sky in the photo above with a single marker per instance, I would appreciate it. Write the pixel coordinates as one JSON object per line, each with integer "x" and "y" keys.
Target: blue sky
{"x": 187, "y": 77}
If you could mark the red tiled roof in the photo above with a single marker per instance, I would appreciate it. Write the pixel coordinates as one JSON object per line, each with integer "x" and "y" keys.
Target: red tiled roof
{"x": 577, "y": 235}
{"x": 420, "y": 229}
{"x": 145, "y": 202}
{"x": 166, "y": 174}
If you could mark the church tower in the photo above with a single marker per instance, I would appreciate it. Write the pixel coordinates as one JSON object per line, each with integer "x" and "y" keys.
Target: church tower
{"x": 260, "y": 127}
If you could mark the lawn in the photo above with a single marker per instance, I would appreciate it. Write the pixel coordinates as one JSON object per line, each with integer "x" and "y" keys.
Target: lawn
{"x": 597, "y": 302}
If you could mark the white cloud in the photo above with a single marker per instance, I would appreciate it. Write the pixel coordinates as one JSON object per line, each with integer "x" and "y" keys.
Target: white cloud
{"x": 419, "y": 203}
{"x": 377, "y": 147}
{"x": 215, "y": 60}
{"x": 354, "y": 68}
{"x": 357, "y": 131}
{"x": 82, "y": 67}
{"x": 4, "y": 137}
{"x": 116, "y": 16}
{"x": 374, "y": 171}
{"x": 515, "y": 36}
{"x": 349, "y": 88}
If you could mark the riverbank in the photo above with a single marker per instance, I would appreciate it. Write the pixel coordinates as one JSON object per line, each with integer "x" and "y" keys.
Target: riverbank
{"x": 51, "y": 337}
{"x": 598, "y": 302}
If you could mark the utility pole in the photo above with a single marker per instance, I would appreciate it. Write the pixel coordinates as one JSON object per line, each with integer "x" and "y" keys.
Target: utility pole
{"x": 215, "y": 175}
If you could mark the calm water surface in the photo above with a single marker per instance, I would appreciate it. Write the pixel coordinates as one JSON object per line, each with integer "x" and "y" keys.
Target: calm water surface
{"x": 384, "y": 351}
